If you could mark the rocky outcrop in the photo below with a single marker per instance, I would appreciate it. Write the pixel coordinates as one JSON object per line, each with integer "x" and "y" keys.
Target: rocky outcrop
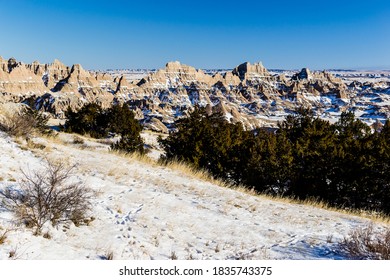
{"x": 53, "y": 87}
{"x": 16, "y": 81}
{"x": 305, "y": 74}
{"x": 155, "y": 124}
{"x": 174, "y": 75}
{"x": 249, "y": 93}
{"x": 246, "y": 71}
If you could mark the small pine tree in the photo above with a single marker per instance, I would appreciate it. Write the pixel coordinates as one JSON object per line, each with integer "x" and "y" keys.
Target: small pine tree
{"x": 207, "y": 141}
{"x": 91, "y": 118}
{"x": 98, "y": 122}
{"x": 130, "y": 143}
{"x": 37, "y": 119}
{"x": 121, "y": 120}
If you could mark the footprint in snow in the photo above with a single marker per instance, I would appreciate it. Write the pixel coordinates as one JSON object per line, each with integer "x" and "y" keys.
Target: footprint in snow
{"x": 128, "y": 217}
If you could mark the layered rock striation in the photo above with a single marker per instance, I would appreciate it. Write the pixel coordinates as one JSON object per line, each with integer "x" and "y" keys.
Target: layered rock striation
{"x": 249, "y": 93}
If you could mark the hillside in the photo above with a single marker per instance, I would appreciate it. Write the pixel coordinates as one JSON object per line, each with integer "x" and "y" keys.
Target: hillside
{"x": 146, "y": 211}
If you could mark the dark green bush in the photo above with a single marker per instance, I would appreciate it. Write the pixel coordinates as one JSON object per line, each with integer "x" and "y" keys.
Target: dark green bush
{"x": 344, "y": 164}
{"x": 129, "y": 143}
{"x": 92, "y": 119}
{"x": 206, "y": 141}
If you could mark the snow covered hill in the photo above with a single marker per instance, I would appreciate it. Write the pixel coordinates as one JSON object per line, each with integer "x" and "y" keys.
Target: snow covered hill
{"x": 146, "y": 211}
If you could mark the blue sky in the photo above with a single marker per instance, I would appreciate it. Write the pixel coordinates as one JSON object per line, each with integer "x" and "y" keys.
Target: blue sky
{"x": 204, "y": 34}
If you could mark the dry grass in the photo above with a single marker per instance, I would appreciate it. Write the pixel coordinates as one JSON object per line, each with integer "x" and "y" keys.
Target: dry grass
{"x": 31, "y": 145}
{"x": 78, "y": 140}
{"x": 134, "y": 157}
{"x": 371, "y": 215}
{"x": 109, "y": 256}
{"x": 173, "y": 256}
{"x": 47, "y": 235}
{"x": 13, "y": 254}
{"x": 14, "y": 124}
{"x": 107, "y": 141}
{"x": 3, "y": 235}
{"x": 193, "y": 172}
{"x": 365, "y": 243}
{"x": 53, "y": 138}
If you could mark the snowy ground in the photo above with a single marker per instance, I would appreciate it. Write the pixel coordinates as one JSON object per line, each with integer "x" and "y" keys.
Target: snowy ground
{"x": 146, "y": 211}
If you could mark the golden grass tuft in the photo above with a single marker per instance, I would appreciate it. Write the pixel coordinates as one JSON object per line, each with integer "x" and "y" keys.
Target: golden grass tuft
{"x": 193, "y": 172}
{"x": 4, "y": 234}
{"x": 53, "y": 138}
{"x": 3, "y": 237}
{"x": 316, "y": 203}
{"x": 134, "y": 157}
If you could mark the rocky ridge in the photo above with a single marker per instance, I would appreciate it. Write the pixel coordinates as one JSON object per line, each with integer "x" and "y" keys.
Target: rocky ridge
{"x": 249, "y": 93}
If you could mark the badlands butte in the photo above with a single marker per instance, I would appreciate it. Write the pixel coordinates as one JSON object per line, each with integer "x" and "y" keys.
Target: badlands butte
{"x": 249, "y": 93}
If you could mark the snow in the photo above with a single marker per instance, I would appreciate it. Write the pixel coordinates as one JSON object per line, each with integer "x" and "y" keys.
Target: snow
{"x": 146, "y": 211}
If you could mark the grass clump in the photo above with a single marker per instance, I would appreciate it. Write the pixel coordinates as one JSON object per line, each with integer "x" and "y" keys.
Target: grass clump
{"x": 366, "y": 243}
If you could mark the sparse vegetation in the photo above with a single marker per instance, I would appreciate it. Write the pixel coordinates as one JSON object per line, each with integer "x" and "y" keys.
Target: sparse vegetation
{"x": 108, "y": 256}
{"x": 25, "y": 123}
{"x": 365, "y": 243}
{"x": 3, "y": 235}
{"x": 13, "y": 254}
{"x": 46, "y": 196}
{"x": 78, "y": 140}
{"x": 47, "y": 235}
{"x": 173, "y": 256}
{"x": 329, "y": 238}
{"x": 33, "y": 145}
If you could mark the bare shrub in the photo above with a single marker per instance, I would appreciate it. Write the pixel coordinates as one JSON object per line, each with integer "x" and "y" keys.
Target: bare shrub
{"x": 24, "y": 123}
{"x": 365, "y": 243}
{"x": 15, "y": 125}
{"x": 46, "y": 195}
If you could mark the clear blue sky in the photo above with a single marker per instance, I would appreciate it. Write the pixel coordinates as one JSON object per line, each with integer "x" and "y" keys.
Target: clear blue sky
{"x": 205, "y": 34}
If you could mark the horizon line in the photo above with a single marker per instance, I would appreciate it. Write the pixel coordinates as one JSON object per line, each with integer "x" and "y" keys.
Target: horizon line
{"x": 359, "y": 68}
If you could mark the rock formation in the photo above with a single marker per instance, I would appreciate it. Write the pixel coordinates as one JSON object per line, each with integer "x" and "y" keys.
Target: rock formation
{"x": 249, "y": 93}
